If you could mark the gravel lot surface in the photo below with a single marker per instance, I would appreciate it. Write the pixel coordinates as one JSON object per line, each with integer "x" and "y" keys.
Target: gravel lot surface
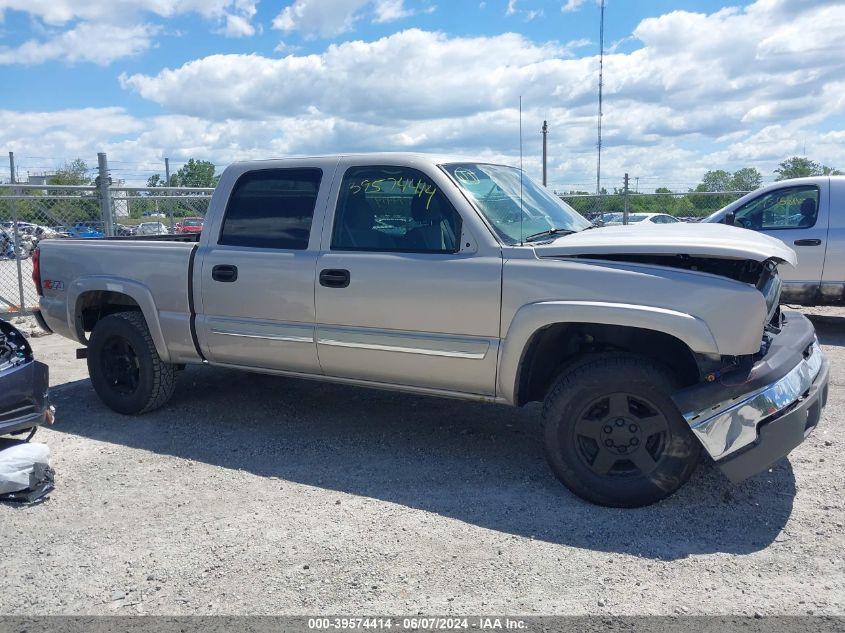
{"x": 251, "y": 494}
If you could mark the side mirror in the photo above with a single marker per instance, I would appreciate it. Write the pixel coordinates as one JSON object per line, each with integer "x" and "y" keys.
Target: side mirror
{"x": 730, "y": 219}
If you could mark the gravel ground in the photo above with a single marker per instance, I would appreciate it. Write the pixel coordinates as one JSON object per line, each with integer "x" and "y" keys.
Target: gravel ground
{"x": 252, "y": 494}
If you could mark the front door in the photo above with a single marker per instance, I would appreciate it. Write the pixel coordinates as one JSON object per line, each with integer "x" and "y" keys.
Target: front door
{"x": 403, "y": 296}
{"x": 798, "y": 215}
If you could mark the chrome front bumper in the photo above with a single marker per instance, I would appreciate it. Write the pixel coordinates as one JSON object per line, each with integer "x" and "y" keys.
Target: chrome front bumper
{"x": 730, "y": 426}
{"x": 746, "y": 428}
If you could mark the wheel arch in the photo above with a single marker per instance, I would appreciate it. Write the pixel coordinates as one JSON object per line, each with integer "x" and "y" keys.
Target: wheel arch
{"x": 91, "y": 299}
{"x": 542, "y": 338}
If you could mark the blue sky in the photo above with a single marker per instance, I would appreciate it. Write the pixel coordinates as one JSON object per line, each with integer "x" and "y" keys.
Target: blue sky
{"x": 691, "y": 85}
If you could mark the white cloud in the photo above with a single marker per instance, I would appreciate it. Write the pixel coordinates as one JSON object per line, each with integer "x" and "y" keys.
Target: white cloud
{"x": 440, "y": 76}
{"x": 572, "y": 5}
{"x": 699, "y": 92}
{"x": 327, "y": 18}
{"x": 391, "y": 10}
{"x": 528, "y": 14}
{"x": 319, "y": 17}
{"x": 238, "y": 26}
{"x": 87, "y": 42}
{"x": 93, "y": 28}
{"x": 60, "y": 12}
{"x": 694, "y": 79}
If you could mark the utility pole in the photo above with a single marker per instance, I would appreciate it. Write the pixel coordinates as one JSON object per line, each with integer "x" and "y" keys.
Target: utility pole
{"x": 167, "y": 184}
{"x": 16, "y": 235}
{"x": 625, "y": 212}
{"x": 103, "y": 182}
{"x": 545, "y": 153}
{"x": 637, "y": 189}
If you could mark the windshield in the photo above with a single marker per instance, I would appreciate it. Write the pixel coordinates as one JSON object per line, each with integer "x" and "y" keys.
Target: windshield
{"x": 495, "y": 190}
{"x": 193, "y": 223}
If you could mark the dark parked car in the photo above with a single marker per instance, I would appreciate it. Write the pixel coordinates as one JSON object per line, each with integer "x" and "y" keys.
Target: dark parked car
{"x": 24, "y": 384}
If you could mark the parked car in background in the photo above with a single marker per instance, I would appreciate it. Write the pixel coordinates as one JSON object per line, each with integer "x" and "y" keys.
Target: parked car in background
{"x": 647, "y": 344}
{"x": 24, "y": 384}
{"x": 152, "y": 228}
{"x": 124, "y": 230}
{"x": 26, "y": 244}
{"x": 808, "y": 214}
{"x": 614, "y": 219}
{"x": 86, "y": 230}
{"x": 190, "y": 225}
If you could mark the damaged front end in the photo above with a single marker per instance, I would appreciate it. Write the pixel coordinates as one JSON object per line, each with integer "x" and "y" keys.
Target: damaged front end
{"x": 752, "y": 410}
{"x": 755, "y": 410}
{"x": 24, "y": 385}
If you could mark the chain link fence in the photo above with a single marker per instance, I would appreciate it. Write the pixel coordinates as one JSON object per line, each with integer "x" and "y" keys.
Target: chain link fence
{"x": 30, "y": 214}
{"x": 690, "y": 206}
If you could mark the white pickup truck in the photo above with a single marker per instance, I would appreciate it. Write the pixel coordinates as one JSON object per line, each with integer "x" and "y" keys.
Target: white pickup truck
{"x": 809, "y": 215}
{"x": 467, "y": 280}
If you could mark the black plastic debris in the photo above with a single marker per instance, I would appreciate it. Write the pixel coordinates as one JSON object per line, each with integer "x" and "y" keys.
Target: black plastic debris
{"x": 25, "y": 472}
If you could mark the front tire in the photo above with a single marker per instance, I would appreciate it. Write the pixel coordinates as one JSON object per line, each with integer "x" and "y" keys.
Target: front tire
{"x": 613, "y": 435}
{"x": 126, "y": 371}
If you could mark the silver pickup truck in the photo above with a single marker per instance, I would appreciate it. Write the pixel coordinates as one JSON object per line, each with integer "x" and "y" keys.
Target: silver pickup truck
{"x": 466, "y": 280}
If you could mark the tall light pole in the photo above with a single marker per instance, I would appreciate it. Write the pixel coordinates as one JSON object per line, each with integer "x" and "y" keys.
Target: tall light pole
{"x": 601, "y": 87}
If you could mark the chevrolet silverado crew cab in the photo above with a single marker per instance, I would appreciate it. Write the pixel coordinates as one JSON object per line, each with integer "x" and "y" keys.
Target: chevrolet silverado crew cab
{"x": 462, "y": 279}
{"x": 808, "y": 214}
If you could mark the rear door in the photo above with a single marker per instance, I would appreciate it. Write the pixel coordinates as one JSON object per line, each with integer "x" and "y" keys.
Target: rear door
{"x": 256, "y": 305}
{"x": 405, "y": 293}
{"x": 799, "y": 216}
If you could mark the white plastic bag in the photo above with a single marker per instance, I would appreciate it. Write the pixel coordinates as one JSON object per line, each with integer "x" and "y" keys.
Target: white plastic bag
{"x": 22, "y": 466}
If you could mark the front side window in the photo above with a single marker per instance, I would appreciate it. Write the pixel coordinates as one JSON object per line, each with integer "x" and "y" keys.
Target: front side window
{"x": 272, "y": 208}
{"x": 386, "y": 208}
{"x": 513, "y": 204}
{"x": 789, "y": 208}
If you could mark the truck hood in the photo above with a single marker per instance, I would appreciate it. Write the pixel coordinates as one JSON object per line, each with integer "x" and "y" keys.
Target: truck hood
{"x": 696, "y": 240}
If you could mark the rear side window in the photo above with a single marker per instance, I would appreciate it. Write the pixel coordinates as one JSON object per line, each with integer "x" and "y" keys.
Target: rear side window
{"x": 272, "y": 208}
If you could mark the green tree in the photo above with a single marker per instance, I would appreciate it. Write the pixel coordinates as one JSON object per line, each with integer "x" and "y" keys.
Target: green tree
{"x": 663, "y": 190}
{"x": 801, "y": 166}
{"x": 73, "y": 173}
{"x": 746, "y": 179}
{"x": 717, "y": 180}
{"x": 196, "y": 173}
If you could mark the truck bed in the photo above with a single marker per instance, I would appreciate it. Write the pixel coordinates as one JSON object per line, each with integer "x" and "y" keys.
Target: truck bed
{"x": 154, "y": 270}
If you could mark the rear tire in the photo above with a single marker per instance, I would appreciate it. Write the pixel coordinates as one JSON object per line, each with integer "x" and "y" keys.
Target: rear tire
{"x": 126, "y": 371}
{"x": 613, "y": 435}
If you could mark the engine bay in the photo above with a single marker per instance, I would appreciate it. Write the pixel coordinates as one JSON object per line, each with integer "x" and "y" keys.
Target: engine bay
{"x": 14, "y": 348}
